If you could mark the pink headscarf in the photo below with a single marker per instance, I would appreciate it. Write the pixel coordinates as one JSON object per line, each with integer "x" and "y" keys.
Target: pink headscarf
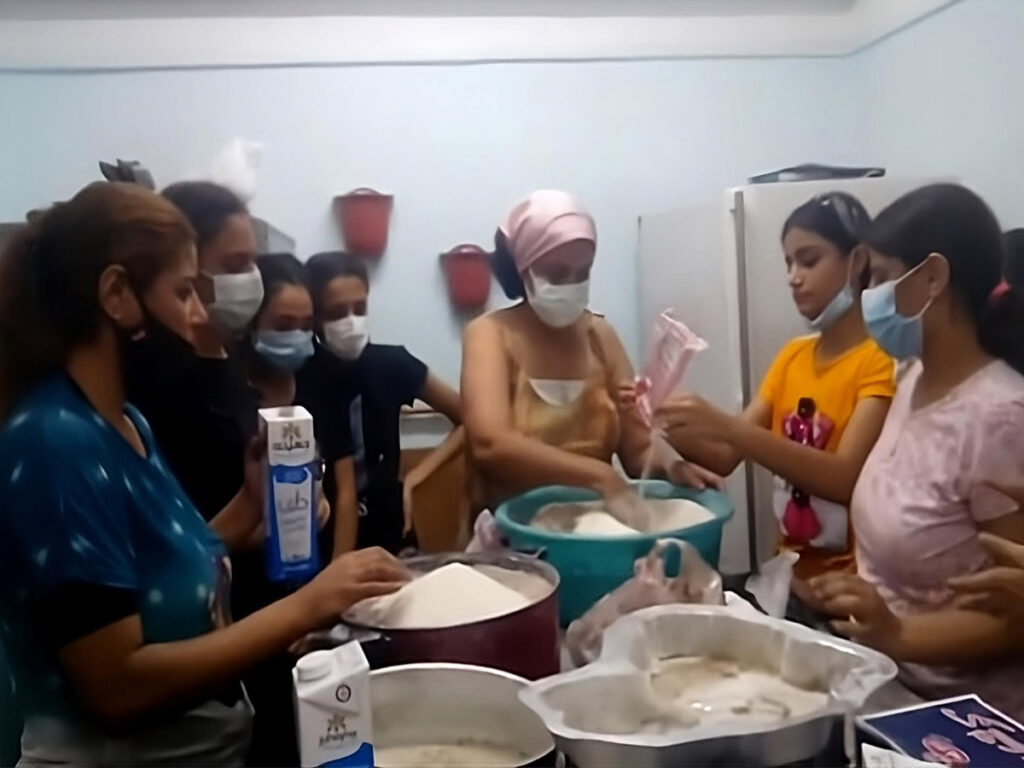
{"x": 543, "y": 221}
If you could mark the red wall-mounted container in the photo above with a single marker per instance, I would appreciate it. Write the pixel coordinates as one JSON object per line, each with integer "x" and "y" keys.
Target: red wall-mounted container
{"x": 364, "y": 216}
{"x": 468, "y": 275}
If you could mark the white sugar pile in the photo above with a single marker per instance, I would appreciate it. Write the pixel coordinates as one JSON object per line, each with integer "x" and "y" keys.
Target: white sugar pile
{"x": 448, "y": 596}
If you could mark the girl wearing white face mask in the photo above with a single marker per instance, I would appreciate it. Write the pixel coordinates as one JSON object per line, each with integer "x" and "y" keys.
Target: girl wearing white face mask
{"x": 197, "y": 397}
{"x": 539, "y": 379}
{"x": 821, "y": 404}
{"x": 370, "y": 382}
{"x": 956, "y": 426}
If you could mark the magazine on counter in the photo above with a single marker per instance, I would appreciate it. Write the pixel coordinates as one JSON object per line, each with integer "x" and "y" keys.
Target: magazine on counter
{"x": 960, "y": 732}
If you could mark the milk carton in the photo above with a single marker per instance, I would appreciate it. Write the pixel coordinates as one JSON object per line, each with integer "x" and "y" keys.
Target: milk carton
{"x": 332, "y": 708}
{"x": 290, "y": 493}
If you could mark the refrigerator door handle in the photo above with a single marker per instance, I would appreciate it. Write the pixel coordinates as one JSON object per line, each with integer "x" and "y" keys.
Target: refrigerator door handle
{"x": 739, "y": 233}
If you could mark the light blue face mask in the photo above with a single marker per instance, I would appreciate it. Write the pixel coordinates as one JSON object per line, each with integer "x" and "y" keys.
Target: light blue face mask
{"x": 899, "y": 336}
{"x": 286, "y": 350}
{"x": 836, "y": 308}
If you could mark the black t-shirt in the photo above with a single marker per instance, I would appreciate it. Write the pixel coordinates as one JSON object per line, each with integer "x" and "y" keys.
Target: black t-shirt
{"x": 202, "y": 411}
{"x": 366, "y": 396}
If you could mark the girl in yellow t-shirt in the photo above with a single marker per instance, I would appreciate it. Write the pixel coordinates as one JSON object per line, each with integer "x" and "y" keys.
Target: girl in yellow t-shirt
{"x": 822, "y": 403}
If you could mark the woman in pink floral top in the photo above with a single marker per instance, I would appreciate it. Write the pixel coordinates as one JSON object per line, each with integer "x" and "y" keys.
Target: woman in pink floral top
{"x": 956, "y": 426}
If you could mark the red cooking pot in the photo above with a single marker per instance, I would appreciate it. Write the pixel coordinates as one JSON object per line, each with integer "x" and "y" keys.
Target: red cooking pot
{"x": 364, "y": 215}
{"x": 524, "y": 642}
{"x": 468, "y": 274}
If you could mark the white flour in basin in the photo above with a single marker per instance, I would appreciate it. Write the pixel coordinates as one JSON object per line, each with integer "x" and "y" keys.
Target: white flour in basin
{"x": 712, "y": 691}
{"x": 589, "y": 518}
{"x": 446, "y": 597}
{"x": 683, "y": 693}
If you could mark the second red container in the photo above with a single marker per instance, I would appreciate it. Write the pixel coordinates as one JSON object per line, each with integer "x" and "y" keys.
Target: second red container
{"x": 468, "y": 275}
{"x": 364, "y": 217}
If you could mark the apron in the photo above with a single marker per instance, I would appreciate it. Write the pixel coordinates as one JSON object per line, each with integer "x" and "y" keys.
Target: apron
{"x": 587, "y": 426}
{"x": 212, "y": 733}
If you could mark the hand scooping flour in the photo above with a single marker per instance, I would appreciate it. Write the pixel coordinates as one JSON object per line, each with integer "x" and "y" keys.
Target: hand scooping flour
{"x": 589, "y": 518}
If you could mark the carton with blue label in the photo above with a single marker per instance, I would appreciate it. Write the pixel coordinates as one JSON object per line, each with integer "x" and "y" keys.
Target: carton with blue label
{"x": 960, "y": 732}
{"x": 332, "y": 708}
{"x": 290, "y": 494}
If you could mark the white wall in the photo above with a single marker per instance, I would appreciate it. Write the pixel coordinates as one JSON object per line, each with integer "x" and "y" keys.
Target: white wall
{"x": 459, "y": 144}
{"x": 946, "y": 96}
{"x": 456, "y": 144}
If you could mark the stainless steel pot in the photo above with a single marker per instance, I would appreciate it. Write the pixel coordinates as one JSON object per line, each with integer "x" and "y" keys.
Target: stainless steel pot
{"x": 524, "y": 642}
{"x": 452, "y": 703}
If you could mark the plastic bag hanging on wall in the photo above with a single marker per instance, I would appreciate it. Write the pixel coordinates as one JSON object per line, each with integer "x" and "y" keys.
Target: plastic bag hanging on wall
{"x": 236, "y": 167}
{"x": 364, "y": 217}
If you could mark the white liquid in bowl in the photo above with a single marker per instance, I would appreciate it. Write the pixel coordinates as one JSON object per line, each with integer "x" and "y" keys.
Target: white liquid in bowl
{"x": 468, "y": 754}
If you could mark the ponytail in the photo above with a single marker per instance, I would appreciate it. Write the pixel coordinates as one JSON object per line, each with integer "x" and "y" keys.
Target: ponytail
{"x": 49, "y": 274}
{"x": 28, "y": 348}
{"x": 953, "y": 221}
{"x": 1001, "y": 328}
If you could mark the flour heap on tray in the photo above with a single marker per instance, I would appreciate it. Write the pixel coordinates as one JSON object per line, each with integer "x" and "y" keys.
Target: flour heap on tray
{"x": 448, "y": 596}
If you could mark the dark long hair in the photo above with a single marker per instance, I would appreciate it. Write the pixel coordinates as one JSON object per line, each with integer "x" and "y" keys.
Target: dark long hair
{"x": 1013, "y": 260}
{"x": 327, "y": 265}
{"x": 206, "y": 206}
{"x": 50, "y": 270}
{"x": 278, "y": 270}
{"x": 950, "y": 220}
{"x": 838, "y": 217}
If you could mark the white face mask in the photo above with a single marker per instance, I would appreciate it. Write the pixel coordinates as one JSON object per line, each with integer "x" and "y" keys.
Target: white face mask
{"x": 347, "y": 337}
{"x": 236, "y": 300}
{"x": 557, "y": 305}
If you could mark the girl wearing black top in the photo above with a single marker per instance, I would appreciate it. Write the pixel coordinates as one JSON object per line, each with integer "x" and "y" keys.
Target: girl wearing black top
{"x": 196, "y": 396}
{"x": 371, "y": 382}
{"x": 203, "y": 412}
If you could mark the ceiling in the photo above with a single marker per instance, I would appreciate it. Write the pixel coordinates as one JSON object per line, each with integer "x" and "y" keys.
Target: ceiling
{"x": 128, "y": 34}
{"x": 131, "y": 9}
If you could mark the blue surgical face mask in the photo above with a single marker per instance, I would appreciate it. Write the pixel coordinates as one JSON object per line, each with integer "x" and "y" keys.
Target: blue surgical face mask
{"x": 286, "y": 350}
{"x": 898, "y": 335}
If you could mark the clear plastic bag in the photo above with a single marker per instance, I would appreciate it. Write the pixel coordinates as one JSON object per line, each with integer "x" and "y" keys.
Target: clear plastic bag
{"x": 236, "y": 167}
{"x": 486, "y": 535}
{"x": 697, "y": 582}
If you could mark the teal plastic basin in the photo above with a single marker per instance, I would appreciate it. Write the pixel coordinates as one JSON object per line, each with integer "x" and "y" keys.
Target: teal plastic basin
{"x": 592, "y": 566}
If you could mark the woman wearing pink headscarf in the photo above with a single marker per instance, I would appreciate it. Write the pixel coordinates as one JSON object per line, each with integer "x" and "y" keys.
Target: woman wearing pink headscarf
{"x": 539, "y": 379}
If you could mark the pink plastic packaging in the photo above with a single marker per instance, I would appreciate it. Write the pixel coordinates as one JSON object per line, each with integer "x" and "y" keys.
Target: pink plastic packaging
{"x": 674, "y": 346}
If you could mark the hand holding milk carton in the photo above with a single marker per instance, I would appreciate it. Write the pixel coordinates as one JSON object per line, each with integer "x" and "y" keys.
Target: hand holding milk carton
{"x": 290, "y": 494}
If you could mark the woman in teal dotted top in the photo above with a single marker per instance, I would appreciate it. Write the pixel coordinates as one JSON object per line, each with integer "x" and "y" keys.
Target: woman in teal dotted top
{"x": 113, "y": 590}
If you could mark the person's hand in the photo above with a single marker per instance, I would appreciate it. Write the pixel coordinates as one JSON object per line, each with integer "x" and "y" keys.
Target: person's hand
{"x": 352, "y": 577}
{"x": 865, "y": 615}
{"x": 626, "y": 400}
{"x": 623, "y": 503}
{"x": 687, "y": 473}
{"x": 998, "y": 590}
{"x": 412, "y": 480}
{"x": 323, "y": 513}
{"x": 694, "y": 416}
{"x": 407, "y": 509}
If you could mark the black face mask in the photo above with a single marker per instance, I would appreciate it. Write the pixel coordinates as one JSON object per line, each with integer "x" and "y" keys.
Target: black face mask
{"x": 153, "y": 349}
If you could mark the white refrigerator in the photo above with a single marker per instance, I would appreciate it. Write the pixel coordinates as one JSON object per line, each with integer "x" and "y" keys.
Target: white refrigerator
{"x": 720, "y": 265}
